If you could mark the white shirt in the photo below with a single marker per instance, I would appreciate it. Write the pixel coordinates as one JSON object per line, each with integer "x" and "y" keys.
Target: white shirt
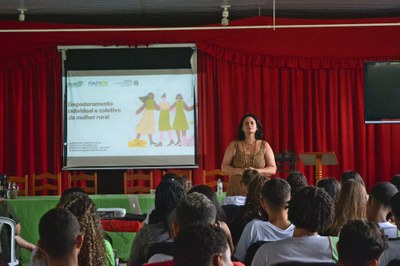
{"x": 389, "y": 229}
{"x": 257, "y": 230}
{"x": 234, "y": 200}
{"x": 313, "y": 248}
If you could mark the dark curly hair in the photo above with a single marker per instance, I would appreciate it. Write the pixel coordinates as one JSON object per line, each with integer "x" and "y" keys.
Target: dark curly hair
{"x": 311, "y": 208}
{"x": 259, "y": 132}
{"x": 93, "y": 250}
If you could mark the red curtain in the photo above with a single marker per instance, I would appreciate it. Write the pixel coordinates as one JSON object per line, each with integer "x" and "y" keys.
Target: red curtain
{"x": 306, "y": 86}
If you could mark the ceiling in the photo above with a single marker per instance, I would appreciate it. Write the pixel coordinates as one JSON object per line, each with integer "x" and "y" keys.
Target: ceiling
{"x": 183, "y": 13}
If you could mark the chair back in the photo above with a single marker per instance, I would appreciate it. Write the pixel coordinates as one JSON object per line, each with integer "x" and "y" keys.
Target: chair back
{"x": 88, "y": 182}
{"x": 45, "y": 183}
{"x": 210, "y": 178}
{"x": 9, "y": 222}
{"x": 22, "y": 182}
{"x": 285, "y": 162}
{"x": 137, "y": 183}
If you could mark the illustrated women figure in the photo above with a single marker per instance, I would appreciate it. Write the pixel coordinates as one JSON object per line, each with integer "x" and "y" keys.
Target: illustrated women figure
{"x": 180, "y": 122}
{"x": 163, "y": 122}
{"x": 248, "y": 151}
{"x": 146, "y": 124}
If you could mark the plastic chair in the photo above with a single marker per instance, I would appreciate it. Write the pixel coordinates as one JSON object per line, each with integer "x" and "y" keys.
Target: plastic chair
{"x": 210, "y": 178}
{"x": 11, "y": 223}
{"x": 22, "y": 182}
{"x": 90, "y": 180}
{"x": 47, "y": 183}
{"x": 136, "y": 183}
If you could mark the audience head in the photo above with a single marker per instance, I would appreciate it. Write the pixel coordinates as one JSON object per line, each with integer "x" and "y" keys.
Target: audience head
{"x": 382, "y": 193}
{"x": 396, "y": 181}
{"x": 361, "y": 243}
{"x": 296, "y": 180}
{"x": 168, "y": 176}
{"x": 395, "y": 205}
{"x": 195, "y": 208}
{"x": 330, "y": 185}
{"x": 311, "y": 208}
{"x": 68, "y": 191}
{"x": 259, "y": 133}
{"x": 351, "y": 174}
{"x": 201, "y": 245}
{"x": 253, "y": 205}
{"x": 210, "y": 194}
{"x": 276, "y": 194}
{"x": 168, "y": 193}
{"x": 60, "y": 235}
{"x": 352, "y": 204}
{"x": 93, "y": 251}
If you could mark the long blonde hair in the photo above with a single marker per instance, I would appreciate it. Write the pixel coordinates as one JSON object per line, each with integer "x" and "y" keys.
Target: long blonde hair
{"x": 351, "y": 205}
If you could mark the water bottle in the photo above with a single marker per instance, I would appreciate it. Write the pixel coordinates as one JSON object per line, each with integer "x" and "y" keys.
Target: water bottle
{"x": 220, "y": 187}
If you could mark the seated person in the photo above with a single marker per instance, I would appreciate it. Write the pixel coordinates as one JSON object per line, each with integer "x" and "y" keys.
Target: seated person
{"x": 378, "y": 207}
{"x": 168, "y": 194}
{"x": 275, "y": 195}
{"x": 297, "y": 180}
{"x": 195, "y": 208}
{"x": 310, "y": 210}
{"x": 7, "y": 210}
{"x": 60, "y": 237}
{"x": 393, "y": 252}
{"x": 332, "y": 186}
{"x": 351, "y": 175}
{"x": 202, "y": 245}
{"x": 361, "y": 243}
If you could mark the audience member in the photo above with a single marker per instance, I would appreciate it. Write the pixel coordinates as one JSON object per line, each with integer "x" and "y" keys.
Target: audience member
{"x": 297, "y": 181}
{"x": 168, "y": 193}
{"x": 310, "y": 210}
{"x": 95, "y": 250}
{"x": 247, "y": 176}
{"x": 396, "y": 181}
{"x": 7, "y": 210}
{"x": 193, "y": 209}
{"x": 252, "y": 209}
{"x": 332, "y": 186}
{"x": 351, "y": 175}
{"x": 352, "y": 204}
{"x": 60, "y": 237}
{"x": 275, "y": 195}
{"x": 221, "y": 217}
{"x": 202, "y": 245}
{"x": 378, "y": 207}
{"x": 393, "y": 252}
{"x": 361, "y": 243}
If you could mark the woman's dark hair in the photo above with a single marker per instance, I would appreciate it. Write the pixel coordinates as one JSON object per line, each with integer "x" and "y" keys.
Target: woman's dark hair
{"x": 210, "y": 194}
{"x": 259, "y": 132}
{"x": 297, "y": 180}
{"x": 332, "y": 186}
{"x": 311, "y": 208}
{"x": 351, "y": 174}
{"x": 168, "y": 193}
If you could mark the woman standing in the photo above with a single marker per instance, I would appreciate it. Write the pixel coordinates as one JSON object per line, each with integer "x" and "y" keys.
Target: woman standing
{"x": 180, "y": 122}
{"x": 146, "y": 123}
{"x": 249, "y": 151}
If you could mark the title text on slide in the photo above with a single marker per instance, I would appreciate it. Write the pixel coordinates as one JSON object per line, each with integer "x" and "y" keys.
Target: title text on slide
{"x": 91, "y": 110}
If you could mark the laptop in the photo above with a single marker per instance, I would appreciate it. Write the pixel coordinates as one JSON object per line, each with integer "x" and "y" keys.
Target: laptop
{"x": 134, "y": 203}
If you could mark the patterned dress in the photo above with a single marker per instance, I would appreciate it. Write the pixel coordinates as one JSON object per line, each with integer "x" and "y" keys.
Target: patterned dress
{"x": 244, "y": 160}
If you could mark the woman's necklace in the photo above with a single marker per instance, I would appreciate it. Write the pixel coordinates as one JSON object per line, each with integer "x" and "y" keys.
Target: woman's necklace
{"x": 246, "y": 163}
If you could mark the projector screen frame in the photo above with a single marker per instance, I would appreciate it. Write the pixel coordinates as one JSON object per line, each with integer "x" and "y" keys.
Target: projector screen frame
{"x": 124, "y": 165}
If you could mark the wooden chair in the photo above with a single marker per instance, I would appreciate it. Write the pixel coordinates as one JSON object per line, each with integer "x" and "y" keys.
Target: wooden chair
{"x": 46, "y": 182}
{"x": 136, "y": 183}
{"x": 210, "y": 178}
{"x": 22, "y": 182}
{"x": 180, "y": 172}
{"x": 90, "y": 180}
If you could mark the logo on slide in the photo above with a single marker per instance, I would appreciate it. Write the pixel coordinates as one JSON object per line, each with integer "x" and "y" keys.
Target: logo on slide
{"x": 75, "y": 84}
{"x": 96, "y": 83}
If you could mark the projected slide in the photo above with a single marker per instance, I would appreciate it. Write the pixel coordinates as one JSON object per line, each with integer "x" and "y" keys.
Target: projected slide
{"x": 130, "y": 118}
